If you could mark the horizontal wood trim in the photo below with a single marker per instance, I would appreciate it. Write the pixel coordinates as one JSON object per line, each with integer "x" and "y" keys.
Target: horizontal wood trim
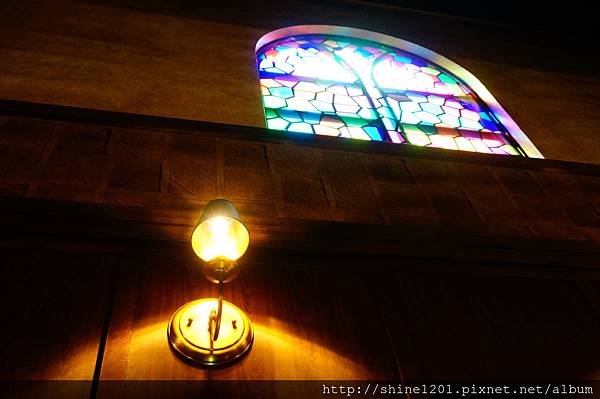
{"x": 166, "y": 233}
{"x": 137, "y": 121}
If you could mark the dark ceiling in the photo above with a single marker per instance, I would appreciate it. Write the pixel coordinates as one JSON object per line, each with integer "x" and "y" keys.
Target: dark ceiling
{"x": 552, "y": 16}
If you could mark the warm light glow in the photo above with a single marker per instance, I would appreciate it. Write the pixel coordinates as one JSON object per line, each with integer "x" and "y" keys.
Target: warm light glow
{"x": 220, "y": 237}
{"x": 293, "y": 355}
{"x": 200, "y": 313}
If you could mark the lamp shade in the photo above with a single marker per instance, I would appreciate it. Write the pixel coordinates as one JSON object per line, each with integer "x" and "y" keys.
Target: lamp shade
{"x": 220, "y": 233}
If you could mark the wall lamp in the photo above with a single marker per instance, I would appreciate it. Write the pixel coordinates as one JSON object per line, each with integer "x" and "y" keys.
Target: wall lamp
{"x": 209, "y": 331}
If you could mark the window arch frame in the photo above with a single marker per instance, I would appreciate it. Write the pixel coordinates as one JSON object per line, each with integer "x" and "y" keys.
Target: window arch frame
{"x": 458, "y": 71}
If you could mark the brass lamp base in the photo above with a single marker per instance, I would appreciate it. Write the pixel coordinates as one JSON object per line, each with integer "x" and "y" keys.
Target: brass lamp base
{"x": 190, "y": 333}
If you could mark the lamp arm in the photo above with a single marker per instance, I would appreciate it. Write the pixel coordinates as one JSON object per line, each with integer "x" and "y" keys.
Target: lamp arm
{"x": 219, "y": 312}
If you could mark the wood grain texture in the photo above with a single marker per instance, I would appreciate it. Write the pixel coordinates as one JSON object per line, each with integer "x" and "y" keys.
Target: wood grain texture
{"x": 166, "y": 233}
{"x": 448, "y": 192}
{"x": 329, "y": 298}
{"x": 309, "y": 323}
{"x": 96, "y": 56}
{"x": 198, "y": 62}
{"x": 453, "y": 326}
{"x": 318, "y": 314}
{"x": 54, "y": 304}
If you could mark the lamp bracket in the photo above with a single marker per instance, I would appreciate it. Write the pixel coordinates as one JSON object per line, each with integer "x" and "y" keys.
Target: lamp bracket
{"x": 195, "y": 341}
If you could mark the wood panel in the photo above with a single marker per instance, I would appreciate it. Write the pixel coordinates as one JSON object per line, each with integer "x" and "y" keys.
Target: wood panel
{"x": 310, "y": 323}
{"x": 452, "y": 193}
{"x": 54, "y": 304}
{"x": 453, "y": 326}
{"x": 166, "y": 233}
{"x": 317, "y": 316}
{"x": 98, "y": 57}
{"x": 202, "y": 60}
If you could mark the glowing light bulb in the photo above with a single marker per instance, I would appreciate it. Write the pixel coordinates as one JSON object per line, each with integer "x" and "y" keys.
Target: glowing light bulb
{"x": 220, "y": 236}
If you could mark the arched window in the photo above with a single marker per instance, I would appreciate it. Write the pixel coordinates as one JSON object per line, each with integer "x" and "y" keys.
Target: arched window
{"x": 352, "y": 83}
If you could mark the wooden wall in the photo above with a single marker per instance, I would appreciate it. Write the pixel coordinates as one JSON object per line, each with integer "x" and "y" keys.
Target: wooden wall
{"x": 410, "y": 320}
{"x": 442, "y": 266}
{"x": 368, "y": 261}
{"x": 161, "y": 163}
{"x": 195, "y": 62}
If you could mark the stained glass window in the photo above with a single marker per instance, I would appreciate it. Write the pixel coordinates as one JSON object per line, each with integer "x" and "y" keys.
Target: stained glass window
{"x": 347, "y": 87}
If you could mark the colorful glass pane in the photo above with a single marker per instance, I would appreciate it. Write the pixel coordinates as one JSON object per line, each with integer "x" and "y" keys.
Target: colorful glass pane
{"x": 353, "y": 88}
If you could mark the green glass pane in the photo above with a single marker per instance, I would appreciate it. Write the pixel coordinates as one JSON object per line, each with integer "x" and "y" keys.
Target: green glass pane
{"x": 447, "y": 79}
{"x": 354, "y": 121}
{"x": 270, "y": 113}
